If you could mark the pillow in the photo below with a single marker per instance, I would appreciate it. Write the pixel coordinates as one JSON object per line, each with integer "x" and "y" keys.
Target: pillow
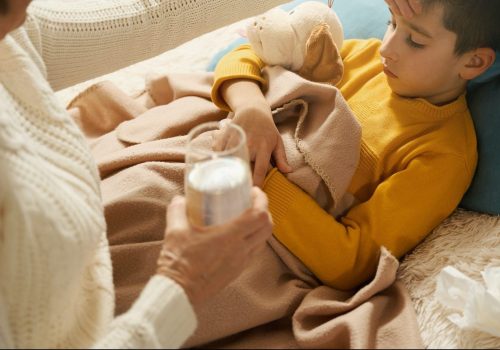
{"x": 483, "y": 194}
{"x": 360, "y": 19}
{"x": 368, "y": 18}
{"x": 363, "y": 19}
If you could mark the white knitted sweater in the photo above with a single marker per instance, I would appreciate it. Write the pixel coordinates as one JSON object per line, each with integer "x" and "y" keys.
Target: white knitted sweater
{"x": 56, "y": 288}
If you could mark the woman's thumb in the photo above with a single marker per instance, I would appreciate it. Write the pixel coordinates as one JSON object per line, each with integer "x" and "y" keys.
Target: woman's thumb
{"x": 176, "y": 214}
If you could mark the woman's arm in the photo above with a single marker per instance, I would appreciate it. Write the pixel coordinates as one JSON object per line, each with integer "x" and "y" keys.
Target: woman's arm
{"x": 194, "y": 265}
{"x": 83, "y": 39}
{"x": 162, "y": 317}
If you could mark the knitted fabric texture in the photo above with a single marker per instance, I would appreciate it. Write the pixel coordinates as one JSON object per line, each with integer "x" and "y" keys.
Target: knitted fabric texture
{"x": 55, "y": 269}
{"x": 54, "y": 266}
{"x": 84, "y": 39}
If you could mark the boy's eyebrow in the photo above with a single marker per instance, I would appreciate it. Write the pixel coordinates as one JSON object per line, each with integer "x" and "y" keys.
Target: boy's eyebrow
{"x": 418, "y": 29}
{"x": 415, "y": 27}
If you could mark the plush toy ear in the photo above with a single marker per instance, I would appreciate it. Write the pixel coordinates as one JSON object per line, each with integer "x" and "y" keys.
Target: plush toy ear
{"x": 322, "y": 61}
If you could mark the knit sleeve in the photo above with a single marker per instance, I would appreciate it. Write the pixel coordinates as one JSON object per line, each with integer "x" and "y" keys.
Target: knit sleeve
{"x": 5, "y": 333}
{"x": 240, "y": 63}
{"x": 402, "y": 211}
{"x": 82, "y": 39}
{"x": 162, "y": 317}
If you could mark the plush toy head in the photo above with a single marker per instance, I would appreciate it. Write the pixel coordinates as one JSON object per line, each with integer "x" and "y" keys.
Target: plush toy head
{"x": 305, "y": 40}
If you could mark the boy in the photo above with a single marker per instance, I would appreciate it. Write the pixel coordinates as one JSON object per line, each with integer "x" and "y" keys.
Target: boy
{"x": 418, "y": 153}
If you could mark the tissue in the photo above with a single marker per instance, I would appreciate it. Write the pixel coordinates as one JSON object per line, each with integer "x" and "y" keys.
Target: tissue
{"x": 477, "y": 305}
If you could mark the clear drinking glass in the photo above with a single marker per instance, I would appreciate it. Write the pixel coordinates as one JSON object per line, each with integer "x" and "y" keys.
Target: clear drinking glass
{"x": 217, "y": 179}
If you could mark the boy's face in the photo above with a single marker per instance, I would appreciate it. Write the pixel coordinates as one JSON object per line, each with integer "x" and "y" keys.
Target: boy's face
{"x": 419, "y": 59}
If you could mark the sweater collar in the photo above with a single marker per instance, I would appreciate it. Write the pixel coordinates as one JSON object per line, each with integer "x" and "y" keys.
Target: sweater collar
{"x": 430, "y": 111}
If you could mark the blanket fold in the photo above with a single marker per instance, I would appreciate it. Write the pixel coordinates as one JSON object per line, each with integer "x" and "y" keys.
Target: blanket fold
{"x": 276, "y": 301}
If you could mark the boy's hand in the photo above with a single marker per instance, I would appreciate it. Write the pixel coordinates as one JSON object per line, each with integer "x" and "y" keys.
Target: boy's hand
{"x": 405, "y": 8}
{"x": 263, "y": 139}
{"x": 253, "y": 114}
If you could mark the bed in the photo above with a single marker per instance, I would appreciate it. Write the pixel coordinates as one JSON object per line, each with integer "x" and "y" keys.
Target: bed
{"x": 467, "y": 240}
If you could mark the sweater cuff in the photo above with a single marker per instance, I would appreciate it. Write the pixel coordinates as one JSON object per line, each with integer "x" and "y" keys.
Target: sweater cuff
{"x": 165, "y": 306}
{"x": 241, "y": 63}
{"x": 281, "y": 194}
{"x": 246, "y": 72}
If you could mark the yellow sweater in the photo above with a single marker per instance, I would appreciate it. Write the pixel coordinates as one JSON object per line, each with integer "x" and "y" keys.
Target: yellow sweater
{"x": 416, "y": 162}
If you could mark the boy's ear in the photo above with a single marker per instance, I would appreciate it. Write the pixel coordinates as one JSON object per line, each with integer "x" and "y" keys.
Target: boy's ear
{"x": 477, "y": 62}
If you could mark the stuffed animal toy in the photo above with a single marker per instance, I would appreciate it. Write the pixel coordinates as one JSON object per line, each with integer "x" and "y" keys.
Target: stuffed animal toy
{"x": 305, "y": 40}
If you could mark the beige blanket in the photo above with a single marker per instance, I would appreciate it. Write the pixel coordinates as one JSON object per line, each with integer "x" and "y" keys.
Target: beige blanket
{"x": 276, "y": 302}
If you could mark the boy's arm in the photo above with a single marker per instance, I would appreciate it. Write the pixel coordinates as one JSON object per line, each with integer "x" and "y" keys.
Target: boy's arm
{"x": 401, "y": 212}
{"x": 237, "y": 87}
{"x": 242, "y": 63}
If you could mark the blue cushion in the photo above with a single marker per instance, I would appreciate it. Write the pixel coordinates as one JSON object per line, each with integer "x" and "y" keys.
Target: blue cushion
{"x": 368, "y": 18}
{"x": 360, "y": 19}
{"x": 484, "y": 103}
{"x": 363, "y": 19}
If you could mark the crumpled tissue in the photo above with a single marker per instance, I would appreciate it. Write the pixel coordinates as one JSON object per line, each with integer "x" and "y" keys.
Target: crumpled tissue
{"x": 478, "y": 306}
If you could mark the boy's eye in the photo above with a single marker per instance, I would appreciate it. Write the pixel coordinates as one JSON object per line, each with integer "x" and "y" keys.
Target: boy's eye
{"x": 392, "y": 23}
{"x": 410, "y": 42}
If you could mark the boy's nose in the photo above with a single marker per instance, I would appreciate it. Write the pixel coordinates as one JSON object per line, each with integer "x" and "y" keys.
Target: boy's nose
{"x": 388, "y": 49}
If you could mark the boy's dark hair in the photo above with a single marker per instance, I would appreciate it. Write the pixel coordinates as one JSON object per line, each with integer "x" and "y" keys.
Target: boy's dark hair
{"x": 4, "y": 7}
{"x": 474, "y": 21}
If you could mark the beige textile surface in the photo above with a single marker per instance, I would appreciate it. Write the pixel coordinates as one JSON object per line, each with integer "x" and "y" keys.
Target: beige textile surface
{"x": 276, "y": 301}
{"x": 467, "y": 240}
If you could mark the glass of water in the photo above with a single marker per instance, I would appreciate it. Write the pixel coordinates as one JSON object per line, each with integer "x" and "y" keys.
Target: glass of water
{"x": 217, "y": 179}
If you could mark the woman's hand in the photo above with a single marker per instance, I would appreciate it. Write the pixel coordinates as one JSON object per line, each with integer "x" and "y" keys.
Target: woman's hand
{"x": 203, "y": 260}
{"x": 253, "y": 114}
{"x": 405, "y": 8}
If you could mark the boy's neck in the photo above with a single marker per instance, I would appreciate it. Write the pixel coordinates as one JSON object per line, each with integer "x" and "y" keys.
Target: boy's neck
{"x": 447, "y": 96}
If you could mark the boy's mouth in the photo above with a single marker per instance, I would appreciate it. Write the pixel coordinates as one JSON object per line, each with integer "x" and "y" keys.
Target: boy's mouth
{"x": 389, "y": 73}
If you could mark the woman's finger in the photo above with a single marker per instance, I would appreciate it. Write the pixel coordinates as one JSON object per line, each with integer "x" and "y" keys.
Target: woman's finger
{"x": 253, "y": 219}
{"x": 176, "y": 214}
{"x": 259, "y": 199}
{"x": 416, "y": 6}
{"x": 394, "y": 7}
{"x": 252, "y": 251}
{"x": 405, "y": 9}
{"x": 259, "y": 236}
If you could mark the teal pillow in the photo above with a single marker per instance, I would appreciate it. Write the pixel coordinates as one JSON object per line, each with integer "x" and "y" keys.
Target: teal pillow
{"x": 363, "y": 19}
{"x": 360, "y": 19}
{"x": 368, "y": 18}
{"x": 484, "y": 103}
